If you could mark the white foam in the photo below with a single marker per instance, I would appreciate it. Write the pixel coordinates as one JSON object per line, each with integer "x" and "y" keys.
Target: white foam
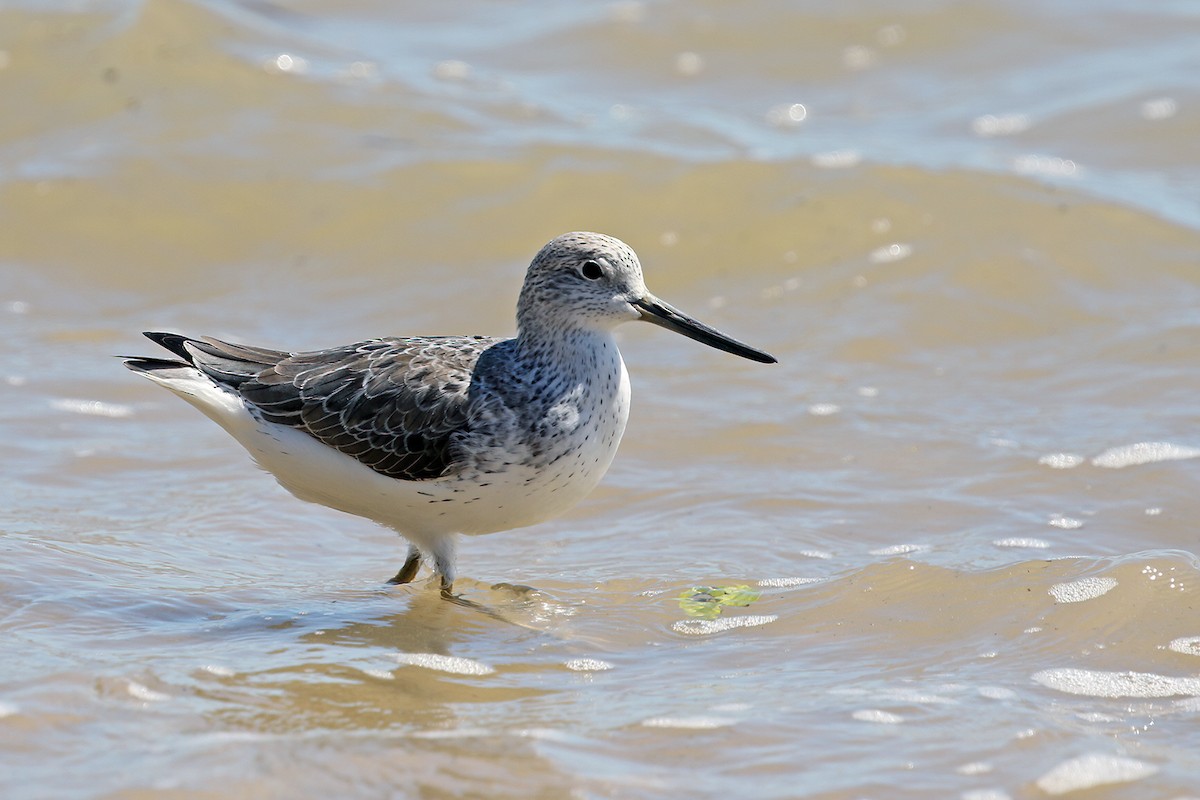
{"x": 889, "y": 253}
{"x": 1095, "y": 683}
{"x": 1046, "y": 165}
{"x": 1066, "y": 523}
{"x": 1061, "y": 460}
{"x": 787, "y": 114}
{"x": 877, "y": 716}
{"x": 146, "y": 693}
{"x": 587, "y": 665}
{"x": 706, "y": 627}
{"x": 1022, "y": 541}
{"x": 1143, "y": 453}
{"x": 1187, "y": 705}
{"x": 452, "y": 664}
{"x": 1093, "y": 769}
{"x": 7, "y": 710}
{"x": 974, "y": 768}
{"x": 824, "y": 409}
{"x": 898, "y": 549}
{"x": 783, "y": 583}
{"x": 1188, "y": 645}
{"x": 689, "y": 723}
{"x": 92, "y": 408}
{"x": 382, "y": 674}
{"x": 985, "y": 794}
{"x": 1082, "y": 589}
{"x": 990, "y": 125}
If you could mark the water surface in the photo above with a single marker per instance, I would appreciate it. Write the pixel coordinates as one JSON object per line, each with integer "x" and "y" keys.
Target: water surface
{"x": 965, "y": 498}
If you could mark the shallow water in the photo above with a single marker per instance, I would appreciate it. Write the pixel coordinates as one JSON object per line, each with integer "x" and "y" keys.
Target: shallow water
{"x": 963, "y": 504}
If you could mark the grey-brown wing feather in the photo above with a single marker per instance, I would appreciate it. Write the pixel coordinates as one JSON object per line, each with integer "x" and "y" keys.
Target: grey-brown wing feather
{"x": 399, "y": 406}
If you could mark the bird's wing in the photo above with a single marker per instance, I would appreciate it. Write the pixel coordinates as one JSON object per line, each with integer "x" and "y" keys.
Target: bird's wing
{"x": 396, "y": 405}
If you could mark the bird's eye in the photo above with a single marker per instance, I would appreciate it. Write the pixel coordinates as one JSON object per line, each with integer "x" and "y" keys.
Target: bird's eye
{"x": 591, "y": 270}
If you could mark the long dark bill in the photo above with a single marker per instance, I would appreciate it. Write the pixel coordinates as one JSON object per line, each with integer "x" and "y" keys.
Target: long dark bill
{"x": 667, "y": 316}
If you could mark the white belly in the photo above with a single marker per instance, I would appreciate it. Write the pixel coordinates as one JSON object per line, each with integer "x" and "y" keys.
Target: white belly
{"x": 470, "y": 502}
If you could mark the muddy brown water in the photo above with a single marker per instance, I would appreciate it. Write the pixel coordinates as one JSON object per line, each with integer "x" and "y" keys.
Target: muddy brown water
{"x": 963, "y": 505}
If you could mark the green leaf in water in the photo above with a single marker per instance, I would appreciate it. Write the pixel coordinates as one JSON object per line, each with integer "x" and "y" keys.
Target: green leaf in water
{"x": 706, "y": 602}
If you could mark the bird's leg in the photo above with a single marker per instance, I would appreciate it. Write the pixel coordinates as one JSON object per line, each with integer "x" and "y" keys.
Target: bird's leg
{"x": 412, "y": 563}
{"x": 443, "y": 565}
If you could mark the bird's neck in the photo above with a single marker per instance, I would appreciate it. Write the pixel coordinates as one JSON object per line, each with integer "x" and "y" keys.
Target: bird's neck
{"x": 567, "y": 349}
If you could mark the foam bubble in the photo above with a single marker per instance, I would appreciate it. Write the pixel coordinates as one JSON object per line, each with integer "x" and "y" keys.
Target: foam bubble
{"x": 587, "y": 665}
{"x": 1022, "y": 541}
{"x": 877, "y": 716}
{"x": 985, "y": 794}
{"x": 452, "y": 664}
{"x": 1143, "y": 453}
{"x": 92, "y": 408}
{"x": 1066, "y": 523}
{"x": 1045, "y": 165}
{"x": 285, "y": 62}
{"x": 787, "y": 114}
{"x": 1188, "y": 645}
{"x": 1061, "y": 460}
{"x": 898, "y": 549}
{"x": 688, "y": 723}
{"x": 705, "y": 627}
{"x": 1093, "y": 769}
{"x": 1082, "y": 589}
{"x": 1187, "y": 705}
{"x": 783, "y": 583}
{"x": 889, "y": 253}
{"x": 1095, "y": 683}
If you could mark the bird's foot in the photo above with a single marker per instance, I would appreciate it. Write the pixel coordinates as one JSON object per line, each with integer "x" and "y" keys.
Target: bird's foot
{"x": 412, "y": 565}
